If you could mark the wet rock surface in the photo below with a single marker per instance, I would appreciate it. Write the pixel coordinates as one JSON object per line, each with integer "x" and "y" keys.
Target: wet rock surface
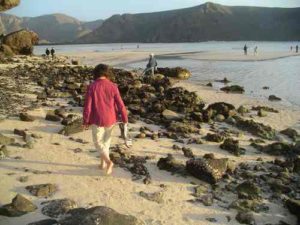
{"x": 42, "y": 190}
{"x": 233, "y": 89}
{"x": 18, "y": 207}
{"x": 56, "y": 208}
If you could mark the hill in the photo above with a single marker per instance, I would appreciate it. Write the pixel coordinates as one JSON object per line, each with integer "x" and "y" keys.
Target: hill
{"x": 201, "y": 23}
{"x": 54, "y": 28}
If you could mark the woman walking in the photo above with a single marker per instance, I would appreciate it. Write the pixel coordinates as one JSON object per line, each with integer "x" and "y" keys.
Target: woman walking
{"x": 103, "y": 103}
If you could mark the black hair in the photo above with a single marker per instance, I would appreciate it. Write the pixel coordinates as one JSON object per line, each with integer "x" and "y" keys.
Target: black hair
{"x": 101, "y": 70}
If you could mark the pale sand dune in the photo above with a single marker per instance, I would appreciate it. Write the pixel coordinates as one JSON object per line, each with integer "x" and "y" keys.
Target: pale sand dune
{"x": 124, "y": 57}
{"x": 78, "y": 177}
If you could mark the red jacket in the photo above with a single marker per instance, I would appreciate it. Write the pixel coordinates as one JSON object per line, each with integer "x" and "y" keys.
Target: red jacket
{"x": 102, "y": 104}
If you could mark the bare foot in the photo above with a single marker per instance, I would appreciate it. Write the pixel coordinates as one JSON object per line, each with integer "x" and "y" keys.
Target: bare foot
{"x": 109, "y": 168}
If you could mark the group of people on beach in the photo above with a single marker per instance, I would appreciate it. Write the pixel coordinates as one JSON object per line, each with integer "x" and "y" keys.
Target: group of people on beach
{"x": 48, "y": 52}
{"x": 296, "y": 48}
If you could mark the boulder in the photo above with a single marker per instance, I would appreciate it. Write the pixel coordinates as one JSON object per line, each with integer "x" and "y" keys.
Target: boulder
{"x": 207, "y": 169}
{"x": 214, "y": 137}
{"x": 171, "y": 115}
{"x": 21, "y": 42}
{"x": 6, "y": 140}
{"x": 294, "y": 207}
{"x": 232, "y": 146}
{"x": 248, "y": 190}
{"x": 8, "y": 4}
{"x": 177, "y": 73}
{"x": 245, "y": 218}
{"x": 98, "y": 215}
{"x": 222, "y": 108}
{"x": 233, "y": 89}
{"x": 42, "y": 190}
{"x": 274, "y": 98}
{"x": 243, "y": 110}
{"x": 72, "y": 128}
{"x": 187, "y": 152}
{"x": 51, "y": 116}
{"x": 278, "y": 149}
{"x": 26, "y": 117}
{"x": 55, "y": 208}
{"x": 291, "y": 133}
{"x": 170, "y": 164}
{"x": 255, "y": 128}
{"x": 3, "y": 152}
{"x": 18, "y": 207}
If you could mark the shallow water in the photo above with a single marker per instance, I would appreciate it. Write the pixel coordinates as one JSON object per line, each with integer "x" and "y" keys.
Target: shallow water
{"x": 281, "y": 75}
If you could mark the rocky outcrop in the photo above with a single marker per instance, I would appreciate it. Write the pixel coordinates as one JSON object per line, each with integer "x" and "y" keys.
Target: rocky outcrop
{"x": 177, "y": 73}
{"x": 98, "y": 215}
{"x": 8, "y": 4}
{"x": 42, "y": 190}
{"x": 18, "y": 207}
{"x": 210, "y": 170}
{"x": 21, "y": 42}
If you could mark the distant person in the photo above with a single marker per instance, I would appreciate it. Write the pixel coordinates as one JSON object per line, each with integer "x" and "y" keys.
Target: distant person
{"x": 297, "y": 48}
{"x": 245, "y": 49}
{"x": 138, "y": 46}
{"x": 47, "y": 53}
{"x": 291, "y": 49}
{"x": 255, "y": 50}
{"x": 152, "y": 64}
{"x": 102, "y": 105}
{"x": 52, "y": 53}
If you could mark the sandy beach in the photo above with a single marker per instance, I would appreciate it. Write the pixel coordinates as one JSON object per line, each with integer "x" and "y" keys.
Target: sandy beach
{"x": 54, "y": 158}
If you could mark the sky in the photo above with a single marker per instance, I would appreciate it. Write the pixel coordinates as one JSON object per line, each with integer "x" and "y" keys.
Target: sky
{"x": 88, "y": 10}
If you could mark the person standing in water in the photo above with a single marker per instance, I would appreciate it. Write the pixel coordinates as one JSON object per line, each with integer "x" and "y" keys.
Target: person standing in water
{"x": 245, "y": 49}
{"x": 47, "y": 53}
{"x": 297, "y": 48}
{"x": 52, "y": 53}
{"x": 102, "y": 105}
{"x": 152, "y": 64}
{"x": 255, "y": 50}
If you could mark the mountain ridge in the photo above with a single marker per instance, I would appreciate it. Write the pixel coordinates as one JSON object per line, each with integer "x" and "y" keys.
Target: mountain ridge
{"x": 204, "y": 22}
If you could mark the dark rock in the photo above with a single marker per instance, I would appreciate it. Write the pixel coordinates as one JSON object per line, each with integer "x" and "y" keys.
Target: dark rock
{"x": 154, "y": 197}
{"x": 98, "y": 215}
{"x": 176, "y": 147}
{"x": 170, "y": 164}
{"x": 20, "y": 132}
{"x": 23, "y": 179}
{"x": 208, "y": 170}
{"x": 249, "y": 205}
{"x": 3, "y": 152}
{"x": 177, "y": 73}
{"x": 55, "y": 208}
{"x": 222, "y": 108}
{"x": 261, "y": 113}
{"x": 265, "y": 108}
{"x": 245, "y": 218}
{"x": 255, "y": 128}
{"x": 42, "y": 190}
{"x": 278, "y": 149}
{"x": 183, "y": 128}
{"x": 232, "y": 146}
{"x": 214, "y": 137}
{"x": 291, "y": 133}
{"x": 21, "y": 42}
{"x": 6, "y": 140}
{"x": 294, "y": 207}
{"x": 209, "y": 84}
{"x": 248, "y": 190}
{"x": 72, "y": 128}
{"x": 233, "y": 89}
{"x": 224, "y": 81}
{"x": 18, "y": 207}
{"x": 45, "y": 222}
{"x": 51, "y": 116}
{"x": 274, "y": 98}
{"x": 25, "y": 117}
{"x": 188, "y": 152}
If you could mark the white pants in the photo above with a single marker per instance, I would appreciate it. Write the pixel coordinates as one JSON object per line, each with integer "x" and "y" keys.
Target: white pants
{"x": 102, "y": 138}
